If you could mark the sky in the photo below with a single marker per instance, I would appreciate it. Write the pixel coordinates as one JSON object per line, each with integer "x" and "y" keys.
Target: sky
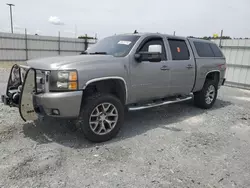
{"x": 78, "y": 17}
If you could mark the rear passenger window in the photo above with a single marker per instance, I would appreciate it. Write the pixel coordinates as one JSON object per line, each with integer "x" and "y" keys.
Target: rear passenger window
{"x": 179, "y": 49}
{"x": 216, "y": 50}
{"x": 203, "y": 49}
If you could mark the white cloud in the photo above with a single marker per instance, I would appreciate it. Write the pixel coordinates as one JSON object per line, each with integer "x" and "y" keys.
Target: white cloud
{"x": 55, "y": 20}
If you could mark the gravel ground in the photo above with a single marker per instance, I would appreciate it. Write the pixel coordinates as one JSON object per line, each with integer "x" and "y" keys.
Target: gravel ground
{"x": 171, "y": 146}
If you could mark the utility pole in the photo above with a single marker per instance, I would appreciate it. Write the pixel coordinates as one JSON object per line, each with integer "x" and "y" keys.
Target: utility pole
{"x": 11, "y": 22}
{"x": 221, "y": 35}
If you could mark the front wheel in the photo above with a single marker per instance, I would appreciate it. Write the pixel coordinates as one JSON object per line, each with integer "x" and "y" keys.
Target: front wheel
{"x": 207, "y": 96}
{"x": 101, "y": 117}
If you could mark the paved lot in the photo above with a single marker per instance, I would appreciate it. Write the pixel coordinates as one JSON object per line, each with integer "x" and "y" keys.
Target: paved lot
{"x": 171, "y": 146}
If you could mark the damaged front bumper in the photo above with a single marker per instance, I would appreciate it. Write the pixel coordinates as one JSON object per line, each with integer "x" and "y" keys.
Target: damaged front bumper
{"x": 14, "y": 85}
{"x": 58, "y": 104}
{"x": 29, "y": 92}
{"x": 5, "y": 99}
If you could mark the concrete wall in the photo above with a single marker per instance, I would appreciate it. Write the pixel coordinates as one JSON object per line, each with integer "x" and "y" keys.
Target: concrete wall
{"x": 20, "y": 47}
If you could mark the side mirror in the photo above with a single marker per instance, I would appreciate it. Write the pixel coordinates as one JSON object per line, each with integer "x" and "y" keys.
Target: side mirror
{"x": 155, "y": 48}
{"x": 153, "y": 54}
{"x": 148, "y": 56}
{"x": 153, "y": 57}
{"x": 138, "y": 57}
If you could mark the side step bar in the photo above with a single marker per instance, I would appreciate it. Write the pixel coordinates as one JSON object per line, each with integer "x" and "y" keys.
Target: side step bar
{"x": 151, "y": 105}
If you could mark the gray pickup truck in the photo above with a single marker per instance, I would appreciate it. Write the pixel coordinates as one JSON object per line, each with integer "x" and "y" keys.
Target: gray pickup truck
{"x": 119, "y": 73}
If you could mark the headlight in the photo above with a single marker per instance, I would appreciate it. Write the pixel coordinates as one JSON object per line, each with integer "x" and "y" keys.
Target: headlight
{"x": 63, "y": 80}
{"x": 63, "y": 75}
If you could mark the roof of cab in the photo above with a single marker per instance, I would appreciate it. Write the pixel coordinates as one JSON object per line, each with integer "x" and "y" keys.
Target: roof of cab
{"x": 193, "y": 39}
{"x": 199, "y": 40}
{"x": 154, "y": 34}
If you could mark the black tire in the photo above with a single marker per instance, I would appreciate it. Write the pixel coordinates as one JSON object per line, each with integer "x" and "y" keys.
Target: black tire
{"x": 89, "y": 104}
{"x": 200, "y": 97}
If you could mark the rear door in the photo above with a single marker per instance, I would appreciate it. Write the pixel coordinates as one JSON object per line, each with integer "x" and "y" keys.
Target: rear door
{"x": 182, "y": 67}
{"x": 26, "y": 107}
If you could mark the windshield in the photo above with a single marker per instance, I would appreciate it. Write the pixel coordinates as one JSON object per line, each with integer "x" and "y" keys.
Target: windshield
{"x": 118, "y": 46}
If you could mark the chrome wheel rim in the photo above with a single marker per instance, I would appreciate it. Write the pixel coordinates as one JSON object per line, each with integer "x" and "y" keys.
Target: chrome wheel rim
{"x": 210, "y": 94}
{"x": 103, "y": 118}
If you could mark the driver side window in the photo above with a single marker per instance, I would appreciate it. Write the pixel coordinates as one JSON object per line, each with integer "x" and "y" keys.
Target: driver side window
{"x": 150, "y": 42}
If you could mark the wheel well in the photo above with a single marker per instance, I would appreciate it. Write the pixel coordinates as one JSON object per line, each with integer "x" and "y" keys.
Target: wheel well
{"x": 215, "y": 76}
{"x": 114, "y": 86}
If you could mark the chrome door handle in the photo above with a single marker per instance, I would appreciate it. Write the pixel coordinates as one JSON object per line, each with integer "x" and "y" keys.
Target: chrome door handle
{"x": 165, "y": 67}
{"x": 189, "y": 66}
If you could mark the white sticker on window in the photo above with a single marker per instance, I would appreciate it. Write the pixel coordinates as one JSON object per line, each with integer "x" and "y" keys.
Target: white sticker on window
{"x": 124, "y": 42}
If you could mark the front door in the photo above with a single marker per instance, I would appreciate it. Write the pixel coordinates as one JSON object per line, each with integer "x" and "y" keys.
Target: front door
{"x": 26, "y": 107}
{"x": 182, "y": 67}
{"x": 149, "y": 80}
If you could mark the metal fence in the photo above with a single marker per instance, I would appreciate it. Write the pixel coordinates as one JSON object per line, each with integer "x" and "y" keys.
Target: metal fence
{"x": 237, "y": 52}
{"x": 21, "y": 47}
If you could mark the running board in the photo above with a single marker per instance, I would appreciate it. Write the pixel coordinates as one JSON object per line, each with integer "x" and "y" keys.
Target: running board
{"x": 151, "y": 105}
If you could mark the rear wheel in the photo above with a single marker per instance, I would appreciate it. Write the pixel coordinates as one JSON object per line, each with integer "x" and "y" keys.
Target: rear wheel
{"x": 207, "y": 96}
{"x": 101, "y": 117}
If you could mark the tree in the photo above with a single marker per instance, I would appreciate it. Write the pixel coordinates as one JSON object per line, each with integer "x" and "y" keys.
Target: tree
{"x": 210, "y": 37}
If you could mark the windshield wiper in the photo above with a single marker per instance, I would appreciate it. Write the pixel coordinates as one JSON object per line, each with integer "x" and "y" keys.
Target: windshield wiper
{"x": 102, "y": 53}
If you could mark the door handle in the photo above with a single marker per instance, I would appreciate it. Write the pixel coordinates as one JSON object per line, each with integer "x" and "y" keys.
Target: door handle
{"x": 189, "y": 66}
{"x": 165, "y": 67}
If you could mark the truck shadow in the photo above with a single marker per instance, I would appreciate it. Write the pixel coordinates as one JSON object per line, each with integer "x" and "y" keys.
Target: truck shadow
{"x": 136, "y": 123}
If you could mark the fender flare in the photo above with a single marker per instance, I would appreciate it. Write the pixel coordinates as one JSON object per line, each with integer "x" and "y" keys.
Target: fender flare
{"x": 108, "y": 78}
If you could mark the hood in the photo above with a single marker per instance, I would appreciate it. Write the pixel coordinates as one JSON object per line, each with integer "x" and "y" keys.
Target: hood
{"x": 54, "y": 63}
